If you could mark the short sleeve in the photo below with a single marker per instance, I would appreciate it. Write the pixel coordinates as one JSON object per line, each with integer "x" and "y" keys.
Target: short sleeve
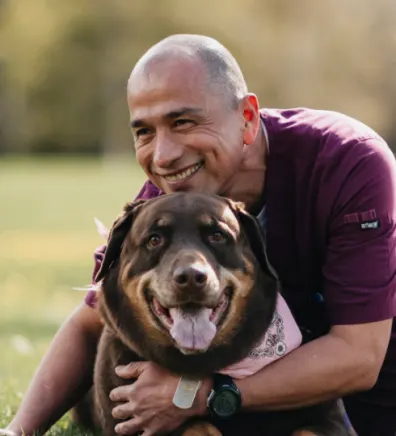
{"x": 360, "y": 262}
{"x": 147, "y": 191}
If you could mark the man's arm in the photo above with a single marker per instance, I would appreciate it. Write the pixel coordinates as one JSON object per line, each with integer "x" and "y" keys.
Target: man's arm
{"x": 346, "y": 360}
{"x": 64, "y": 374}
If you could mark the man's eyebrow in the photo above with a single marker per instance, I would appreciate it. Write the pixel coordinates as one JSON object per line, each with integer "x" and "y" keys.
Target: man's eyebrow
{"x": 169, "y": 116}
{"x": 182, "y": 111}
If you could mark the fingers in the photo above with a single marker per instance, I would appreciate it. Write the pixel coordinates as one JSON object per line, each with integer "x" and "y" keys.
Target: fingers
{"x": 133, "y": 370}
{"x": 123, "y": 411}
{"x": 122, "y": 393}
{"x": 130, "y": 427}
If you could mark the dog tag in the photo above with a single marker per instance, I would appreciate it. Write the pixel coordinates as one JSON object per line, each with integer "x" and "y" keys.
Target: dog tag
{"x": 186, "y": 392}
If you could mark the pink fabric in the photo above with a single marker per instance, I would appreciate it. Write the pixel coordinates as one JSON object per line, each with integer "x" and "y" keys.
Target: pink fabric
{"x": 282, "y": 337}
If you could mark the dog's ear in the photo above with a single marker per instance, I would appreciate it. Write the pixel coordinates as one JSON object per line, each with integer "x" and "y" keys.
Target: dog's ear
{"x": 251, "y": 228}
{"x": 118, "y": 232}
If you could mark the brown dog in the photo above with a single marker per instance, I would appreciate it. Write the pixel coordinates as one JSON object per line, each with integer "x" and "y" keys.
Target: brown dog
{"x": 186, "y": 284}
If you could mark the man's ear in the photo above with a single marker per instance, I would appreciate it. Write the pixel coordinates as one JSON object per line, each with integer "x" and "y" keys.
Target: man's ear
{"x": 251, "y": 115}
{"x": 118, "y": 232}
{"x": 251, "y": 228}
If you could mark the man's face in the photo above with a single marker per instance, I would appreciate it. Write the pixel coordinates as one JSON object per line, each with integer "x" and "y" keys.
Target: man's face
{"x": 187, "y": 137}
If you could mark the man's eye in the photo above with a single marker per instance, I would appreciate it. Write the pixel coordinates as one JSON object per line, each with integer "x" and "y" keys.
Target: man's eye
{"x": 217, "y": 237}
{"x": 182, "y": 122}
{"x": 154, "y": 241}
{"x": 142, "y": 132}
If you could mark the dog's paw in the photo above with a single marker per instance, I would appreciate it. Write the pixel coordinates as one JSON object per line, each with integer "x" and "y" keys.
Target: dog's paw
{"x": 201, "y": 428}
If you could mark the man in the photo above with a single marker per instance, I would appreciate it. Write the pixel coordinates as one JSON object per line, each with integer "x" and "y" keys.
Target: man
{"x": 324, "y": 187}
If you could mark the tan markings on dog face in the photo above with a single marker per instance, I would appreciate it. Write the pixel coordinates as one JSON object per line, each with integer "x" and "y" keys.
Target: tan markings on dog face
{"x": 111, "y": 322}
{"x": 164, "y": 221}
{"x": 147, "y": 219}
{"x": 242, "y": 285}
{"x": 250, "y": 268}
{"x": 223, "y": 217}
{"x": 229, "y": 218}
{"x": 135, "y": 291}
{"x": 225, "y": 226}
{"x": 241, "y": 281}
{"x": 206, "y": 219}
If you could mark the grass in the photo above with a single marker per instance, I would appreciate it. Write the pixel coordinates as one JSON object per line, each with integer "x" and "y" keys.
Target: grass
{"x": 47, "y": 236}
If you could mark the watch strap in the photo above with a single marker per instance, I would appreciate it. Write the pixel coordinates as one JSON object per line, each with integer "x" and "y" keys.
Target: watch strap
{"x": 220, "y": 380}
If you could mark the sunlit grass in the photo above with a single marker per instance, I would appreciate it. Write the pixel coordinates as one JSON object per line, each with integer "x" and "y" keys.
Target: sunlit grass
{"x": 47, "y": 237}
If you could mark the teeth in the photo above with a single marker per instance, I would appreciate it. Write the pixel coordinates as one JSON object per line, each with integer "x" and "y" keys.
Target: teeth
{"x": 184, "y": 174}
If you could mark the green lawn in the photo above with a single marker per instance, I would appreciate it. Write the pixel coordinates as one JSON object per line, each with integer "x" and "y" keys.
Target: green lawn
{"x": 47, "y": 236}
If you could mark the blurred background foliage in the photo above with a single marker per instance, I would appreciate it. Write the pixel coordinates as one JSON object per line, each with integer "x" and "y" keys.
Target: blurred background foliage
{"x": 64, "y": 65}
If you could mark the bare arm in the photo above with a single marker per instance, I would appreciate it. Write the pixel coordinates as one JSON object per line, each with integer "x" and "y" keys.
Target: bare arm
{"x": 346, "y": 360}
{"x": 64, "y": 374}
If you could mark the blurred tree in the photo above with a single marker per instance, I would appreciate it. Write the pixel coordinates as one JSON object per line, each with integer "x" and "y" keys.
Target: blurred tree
{"x": 68, "y": 107}
{"x": 5, "y": 137}
{"x": 66, "y": 64}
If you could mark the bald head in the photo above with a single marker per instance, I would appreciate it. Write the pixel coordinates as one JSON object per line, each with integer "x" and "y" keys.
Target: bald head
{"x": 223, "y": 74}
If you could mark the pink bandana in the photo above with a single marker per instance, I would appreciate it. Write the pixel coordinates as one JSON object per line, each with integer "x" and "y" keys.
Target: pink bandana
{"x": 282, "y": 337}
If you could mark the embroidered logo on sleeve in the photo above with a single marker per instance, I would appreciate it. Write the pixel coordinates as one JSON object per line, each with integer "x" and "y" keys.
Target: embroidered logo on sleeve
{"x": 367, "y": 225}
{"x": 367, "y": 220}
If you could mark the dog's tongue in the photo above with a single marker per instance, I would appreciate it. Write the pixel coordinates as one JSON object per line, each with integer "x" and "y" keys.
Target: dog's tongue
{"x": 192, "y": 330}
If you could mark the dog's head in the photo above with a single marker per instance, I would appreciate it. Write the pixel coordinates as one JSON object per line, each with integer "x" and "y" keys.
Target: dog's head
{"x": 186, "y": 274}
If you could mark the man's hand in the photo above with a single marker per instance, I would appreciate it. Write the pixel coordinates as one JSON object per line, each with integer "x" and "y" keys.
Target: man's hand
{"x": 148, "y": 405}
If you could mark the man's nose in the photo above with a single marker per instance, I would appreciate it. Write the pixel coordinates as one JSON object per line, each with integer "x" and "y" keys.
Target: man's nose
{"x": 167, "y": 150}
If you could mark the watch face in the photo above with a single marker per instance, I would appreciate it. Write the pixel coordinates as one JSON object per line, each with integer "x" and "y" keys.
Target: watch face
{"x": 225, "y": 403}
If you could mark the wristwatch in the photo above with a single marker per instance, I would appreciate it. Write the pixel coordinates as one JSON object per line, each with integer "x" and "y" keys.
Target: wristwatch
{"x": 225, "y": 398}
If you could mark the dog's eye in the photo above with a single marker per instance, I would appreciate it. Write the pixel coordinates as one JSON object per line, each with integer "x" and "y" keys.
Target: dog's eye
{"x": 155, "y": 241}
{"x": 216, "y": 237}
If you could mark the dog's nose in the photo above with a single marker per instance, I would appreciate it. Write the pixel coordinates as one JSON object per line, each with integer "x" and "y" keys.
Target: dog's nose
{"x": 190, "y": 276}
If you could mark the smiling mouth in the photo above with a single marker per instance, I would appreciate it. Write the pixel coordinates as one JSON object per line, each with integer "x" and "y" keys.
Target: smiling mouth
{"x": 167, "y": 315}
{"x": 192, "y": 326}
{"x": 185, "y": 174}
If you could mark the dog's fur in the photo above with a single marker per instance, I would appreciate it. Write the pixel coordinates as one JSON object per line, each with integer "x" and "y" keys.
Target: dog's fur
{"x": 152, "y": 249}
